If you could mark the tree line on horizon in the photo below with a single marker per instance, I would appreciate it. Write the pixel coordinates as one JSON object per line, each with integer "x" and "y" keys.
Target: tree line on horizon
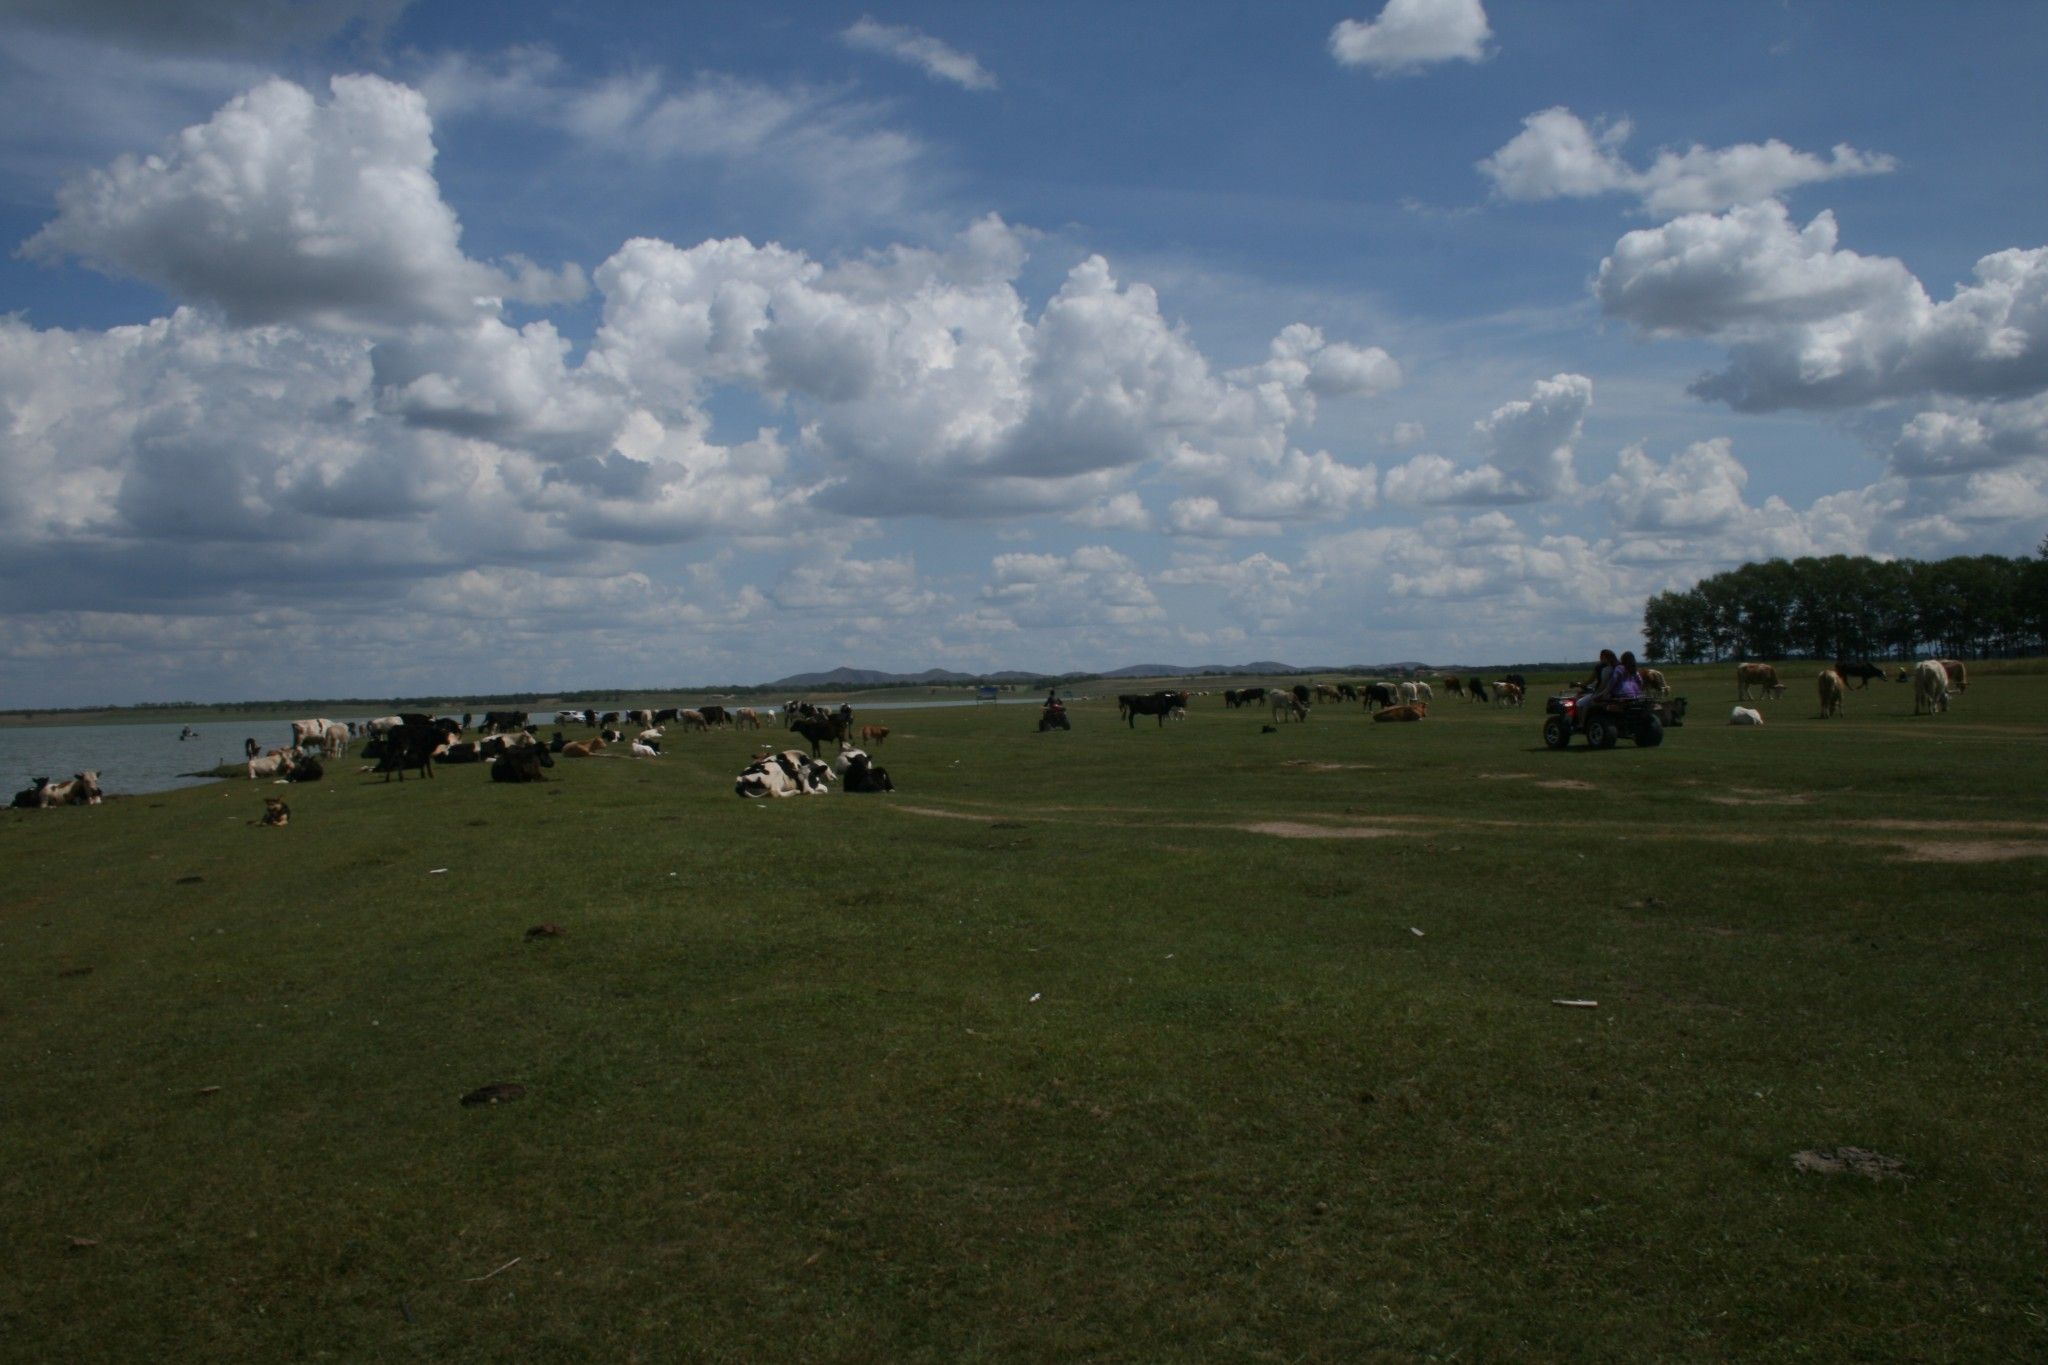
{"x": 1855, "y": 607}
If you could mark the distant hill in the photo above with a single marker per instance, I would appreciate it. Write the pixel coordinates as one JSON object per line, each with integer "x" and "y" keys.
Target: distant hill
{"x": 845, "y": 678}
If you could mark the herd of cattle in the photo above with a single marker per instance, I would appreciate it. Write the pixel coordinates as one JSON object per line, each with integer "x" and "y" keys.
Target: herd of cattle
{"x": 511, "y": 746}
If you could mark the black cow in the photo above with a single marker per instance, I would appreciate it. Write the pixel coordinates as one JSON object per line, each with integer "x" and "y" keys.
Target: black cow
{"x": 1347, "y": 692}
{"x": 522, "y": 764}
{"x": 1160, "y": 704}
{"x": 496, "y": 721}
{"x": 409, "y": 744}
{"x": 1475, "y": 690}
{"x": 1381, "y": 694}
{"x": 1863, "y": 670}
{"x": 667, "y": 714}
{"x": 863, "y": 774}
{"x": 1517, "y": 679}
{"x": 1243, "y": 696}
{"x": 470, "y": 752}
{"x": 31, "y": 797}
{"x": 307, "y": 769}
{"x": 718, "y": 715}
{"x": 819, "y": 728}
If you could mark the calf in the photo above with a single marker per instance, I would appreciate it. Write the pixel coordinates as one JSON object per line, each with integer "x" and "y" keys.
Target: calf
{"x": 582, "y": 748}
{"x": 746, "y": 718}
{"x": 863, "y": 774}
{"x": 31, "y": 797}
{"x": 1414, "y": 711}
{"x": 1831, "y": 687}
{"x": 1507, "y": 693}
{"x": 1287, "y": 706}
{"x": 873, "y": 734}
{"x": 1381, "y": 694}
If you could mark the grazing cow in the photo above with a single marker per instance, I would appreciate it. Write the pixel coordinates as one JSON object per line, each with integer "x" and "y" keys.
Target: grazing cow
{"x": 873, "y": 734}
{"x": 715, "y": 715}
{"x": 1862, "y": 673}
{"x": 1131, "y": 705}
{"x": 1760, "y": 676}
{"x": 789, "y": 773}
{"x": 1742, "y": 715}
{"x": 1930, "y": 688}
{"x": 1415, "y": 711}
{"x": 609, "y": 718}
{"x": 1958, "y": 676}
{"x": 1243, "y": 696}
{"x": 1831, "y": 689}
{"x": 693, "y": 720}
{"x": 1454, "y": 687}
{"x": 643, "y": 719}
{"x": 1287, "y": 706}
{"x": 1475, "y": 690}
{"x": 863, "y": 774}
{"x": 819, "y": 728}
{"x": 1409, "y": 695}
{"x": 1422, "y": 692}
{"x": 307, "y": 733}
{"x": 746, "y": 718}
{"x": 582, "y": 748}
{"x": 272, "y": 765}
{"x": 334, "y": 740}
{"x": 1653, "y": 682}
{"x": 1507, "y": 693}
{"x": 1325, "y": 692}
{"x": 1517, "y": 679}
{"x": 1381, "y": 694}
{"x": 1347, "y": 692}
{"x": 497, "y": 721}
{"x": 522, "y": 765}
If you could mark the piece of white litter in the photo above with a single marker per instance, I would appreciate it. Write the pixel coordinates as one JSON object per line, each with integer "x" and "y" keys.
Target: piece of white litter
{"x": 433, "y": 870}
{"x": 1417, "y": 932}
{"x": 1034, "y": 997}
{"x": 1578, "y": 1004}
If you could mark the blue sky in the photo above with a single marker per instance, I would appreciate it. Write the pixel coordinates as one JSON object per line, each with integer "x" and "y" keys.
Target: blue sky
{"x": 391, "y": 349}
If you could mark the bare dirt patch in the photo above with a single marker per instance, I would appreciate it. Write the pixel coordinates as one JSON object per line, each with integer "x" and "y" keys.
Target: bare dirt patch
{"x": 1961, "y": 851}
{"x": 1749, "y": 796}
{"x": 1502, "y": 777}
{"x": 1566, "y": 784}
{"x": 950, "y": 814}
{"x": 1288, "y": 829}
{"x": 1316, "y": 767}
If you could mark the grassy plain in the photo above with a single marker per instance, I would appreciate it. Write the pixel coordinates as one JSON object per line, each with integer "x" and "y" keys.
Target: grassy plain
{"x": 1116, "y": 1044}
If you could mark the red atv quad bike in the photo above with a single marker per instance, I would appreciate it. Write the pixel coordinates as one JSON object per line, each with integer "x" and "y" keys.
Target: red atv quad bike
{"x": 1602, "y": 724}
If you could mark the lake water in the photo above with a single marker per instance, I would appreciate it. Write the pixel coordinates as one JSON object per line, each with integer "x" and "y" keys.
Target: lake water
{"x": 132, "y": 759}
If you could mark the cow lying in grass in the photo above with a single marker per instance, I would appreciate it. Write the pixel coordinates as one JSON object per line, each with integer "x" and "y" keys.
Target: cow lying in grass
{"x": 789, "y": 773}
{"x": 1412, "y": 711}
{"x": 859, "y": 773}
{"x": 82, "y": 790}
{"x": 1743, "y": 715}
{"x": 522, "y": 764}
{"x": 272, "y": 765}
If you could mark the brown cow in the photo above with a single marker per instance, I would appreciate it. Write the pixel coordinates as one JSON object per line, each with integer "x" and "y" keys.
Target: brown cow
{"x": 1958, "y": 676}
{"x": 1413, "y": 711}
{"x": 1761, "y": 676}
{"x": 582, "y": 748}
{"x": 1831, "y": 689}
{"x": 873, "y": 734}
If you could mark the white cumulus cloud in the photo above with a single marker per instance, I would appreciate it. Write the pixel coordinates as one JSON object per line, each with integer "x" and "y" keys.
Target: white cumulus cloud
{"x": 1411, "y": 34}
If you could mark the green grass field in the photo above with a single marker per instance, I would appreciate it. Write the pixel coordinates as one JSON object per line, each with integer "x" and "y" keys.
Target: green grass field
{"x": 1175, "y": 1043}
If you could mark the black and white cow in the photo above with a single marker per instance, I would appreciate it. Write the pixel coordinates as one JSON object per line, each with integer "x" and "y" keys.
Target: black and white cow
{"x": 859, "y": 773}
{"x": 1131, "y": 705}
{"x": 522, "y": 764}
{"x": 789, "y": 773}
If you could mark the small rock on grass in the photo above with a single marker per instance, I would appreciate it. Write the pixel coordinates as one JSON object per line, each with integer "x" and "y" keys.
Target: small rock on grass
{"x": 546, "y": 931}
{"x": 497, "y": 1092}
{"x": 1850, "y": 1161}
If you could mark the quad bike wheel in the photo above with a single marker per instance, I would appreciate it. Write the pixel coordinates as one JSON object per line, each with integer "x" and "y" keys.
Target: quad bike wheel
{"x": 1556, "y": 733}
{"x": 1650, "y": 733}
{"x": 1601, "y": 732}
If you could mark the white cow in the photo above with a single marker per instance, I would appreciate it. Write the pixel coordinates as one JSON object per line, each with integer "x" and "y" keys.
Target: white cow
{"x": 1410, "y": 693}
{"x": 334, "y": 740}
{"x": 272, "y": 765}
{"x": 1743, "y": 715}
{"x": 1930, "y": 688}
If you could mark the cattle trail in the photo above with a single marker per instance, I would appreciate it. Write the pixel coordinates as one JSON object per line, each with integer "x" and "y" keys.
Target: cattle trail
{"x": 1288, "y": 829}
{"x": 1958, "y": 852}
